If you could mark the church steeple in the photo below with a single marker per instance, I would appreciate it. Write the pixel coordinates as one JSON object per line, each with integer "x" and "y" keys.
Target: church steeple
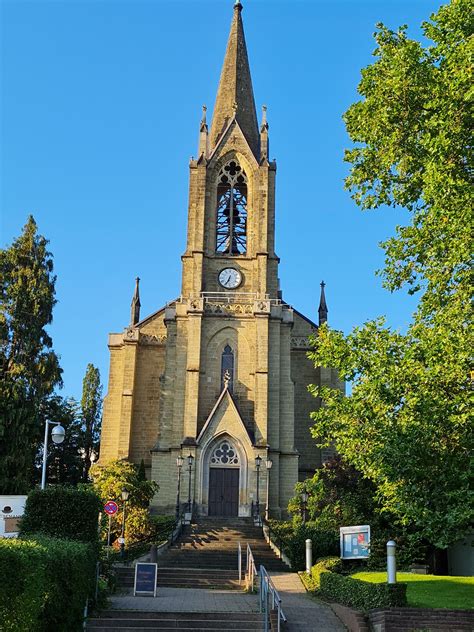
{"x": 135, "y": 308}
{"x": 235, "y": 94}
{"x": 323, "y": 308}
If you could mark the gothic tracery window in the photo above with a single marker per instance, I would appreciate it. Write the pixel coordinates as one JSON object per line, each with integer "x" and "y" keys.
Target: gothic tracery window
{"x": 231, "y": 229}
{"x": 224, "y": 454}
{"x": 227, "y": 368}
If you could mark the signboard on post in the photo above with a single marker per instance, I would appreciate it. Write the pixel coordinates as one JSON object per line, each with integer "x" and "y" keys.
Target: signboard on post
{"x": 145, "y": 579}
{"x": 110, "y": 508}
{"x": 355, "y": 542}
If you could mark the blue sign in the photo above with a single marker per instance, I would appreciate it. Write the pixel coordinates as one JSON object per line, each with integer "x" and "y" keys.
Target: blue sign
{"x": 355, "y": 542}
{"x": 145, "y": 578}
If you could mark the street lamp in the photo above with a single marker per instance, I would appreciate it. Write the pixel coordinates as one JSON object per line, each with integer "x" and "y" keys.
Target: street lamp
{"x": 179, "y": 465}
{"x": 125, "y": 495}
{"x": 304, "y": 501}
{"x": 190, "y": 466}
{"x": 258, "y": 462}
{"x": 57, "y": 435}
{"x": 268, "y": 465}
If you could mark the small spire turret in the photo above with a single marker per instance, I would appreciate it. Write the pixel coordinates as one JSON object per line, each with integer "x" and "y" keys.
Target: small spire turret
{"x": 203, "y": 149}
{"x": 135, "y": 309}
{"x": 323, "y": 308}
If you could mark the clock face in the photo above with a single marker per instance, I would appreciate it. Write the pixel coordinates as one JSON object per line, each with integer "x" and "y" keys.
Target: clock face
{"x": 230, "y": 278}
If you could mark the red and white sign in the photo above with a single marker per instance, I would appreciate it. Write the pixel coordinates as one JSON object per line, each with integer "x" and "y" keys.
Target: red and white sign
{"x": 110, "y": 508}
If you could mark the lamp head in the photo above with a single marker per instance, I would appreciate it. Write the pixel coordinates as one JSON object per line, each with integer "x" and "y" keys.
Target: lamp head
{"x": 125, "y": 494}
{"x": 58, "y": 433}
{"x": 179, "y": 461}
{"x": 304, "y": 496}
{"x": 268, "y": 464}
{"x": 258, "y": 461}
{"x": 190, "y": 460}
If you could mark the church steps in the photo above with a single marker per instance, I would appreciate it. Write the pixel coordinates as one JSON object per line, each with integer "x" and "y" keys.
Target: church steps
{"x": 132, "y": 621}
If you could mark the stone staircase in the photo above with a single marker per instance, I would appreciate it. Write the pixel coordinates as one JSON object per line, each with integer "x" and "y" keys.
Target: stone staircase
{"x": 208, "y": 548}
{"x": 133, "y": 621}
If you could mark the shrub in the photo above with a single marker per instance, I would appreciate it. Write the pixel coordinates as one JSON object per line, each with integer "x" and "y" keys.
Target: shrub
{"x": 62, "y": 512}
{"x": 323, "y": 565}
{"x": 292, "y": 536}
{"x": 46, "y": 584}
{"x": 23, "y": 585}
{"x": 361, "y": 595}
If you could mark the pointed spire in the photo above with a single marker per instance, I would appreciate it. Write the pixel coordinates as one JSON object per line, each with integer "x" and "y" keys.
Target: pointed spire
{"x": 135, "y": 310}
{"x": 235, "y": 93}
{"x": 323, "y": 308}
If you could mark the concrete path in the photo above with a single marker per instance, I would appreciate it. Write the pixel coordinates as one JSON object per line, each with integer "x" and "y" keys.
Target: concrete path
{"x": 188, "y": 600}
{"x": 304, "y": 612}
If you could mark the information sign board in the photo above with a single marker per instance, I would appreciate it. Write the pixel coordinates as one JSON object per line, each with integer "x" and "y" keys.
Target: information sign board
{"x": 145, "y": 578}
{"x": 355, "y": 542}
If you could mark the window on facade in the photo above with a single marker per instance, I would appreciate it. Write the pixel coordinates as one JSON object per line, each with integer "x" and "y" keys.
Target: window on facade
{"x": 224, "y": 454}
{"x": 231, "y": 230}
{"x": 227, "y": 368}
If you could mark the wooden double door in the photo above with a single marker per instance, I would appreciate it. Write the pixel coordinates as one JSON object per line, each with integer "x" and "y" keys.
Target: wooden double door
{"x": 224, "y": 491}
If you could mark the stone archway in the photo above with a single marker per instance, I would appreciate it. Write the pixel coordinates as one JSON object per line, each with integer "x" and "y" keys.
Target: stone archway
{"x": 224, "y": 478}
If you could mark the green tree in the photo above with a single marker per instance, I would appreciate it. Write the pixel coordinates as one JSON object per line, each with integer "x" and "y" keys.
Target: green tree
{"x": 29, "y": 367}
{"x": 91, "y": 409}
{"x": 109, "y": 480}
{"x": 406, "y": 425}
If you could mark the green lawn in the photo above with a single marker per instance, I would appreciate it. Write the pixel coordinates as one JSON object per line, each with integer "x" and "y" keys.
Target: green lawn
{"x": 431, "y": 591}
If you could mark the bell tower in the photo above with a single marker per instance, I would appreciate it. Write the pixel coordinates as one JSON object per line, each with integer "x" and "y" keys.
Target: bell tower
{"x": 231, "y": 218}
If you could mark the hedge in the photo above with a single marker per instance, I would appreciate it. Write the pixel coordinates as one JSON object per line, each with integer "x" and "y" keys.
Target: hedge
{"x": 323, "y": 565}
{"x": 361, "y": 595}
{"x": 62, "y": 512}
{"x": 292, "y": 539}
{"x": 45, "y": 584}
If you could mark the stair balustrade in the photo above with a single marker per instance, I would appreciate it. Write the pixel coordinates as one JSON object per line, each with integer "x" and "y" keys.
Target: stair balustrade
{"x": 270, "y": 601}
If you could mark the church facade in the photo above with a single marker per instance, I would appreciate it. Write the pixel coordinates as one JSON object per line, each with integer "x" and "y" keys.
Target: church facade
{"x": 220, "y": 374}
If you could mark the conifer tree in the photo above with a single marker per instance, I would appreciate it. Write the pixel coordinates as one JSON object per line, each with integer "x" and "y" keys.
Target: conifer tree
{"x": 29, "y": 367}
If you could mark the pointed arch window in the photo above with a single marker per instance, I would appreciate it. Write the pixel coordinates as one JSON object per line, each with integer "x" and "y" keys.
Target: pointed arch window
{"x": 227, "y": 368}
{"x": 231, "y": 229}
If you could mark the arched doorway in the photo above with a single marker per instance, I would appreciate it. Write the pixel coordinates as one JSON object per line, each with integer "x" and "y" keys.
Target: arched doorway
{"x": 224, "y": 480}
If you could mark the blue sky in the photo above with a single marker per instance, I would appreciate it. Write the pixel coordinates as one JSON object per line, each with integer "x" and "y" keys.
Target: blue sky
{"x": 101, "y": 103}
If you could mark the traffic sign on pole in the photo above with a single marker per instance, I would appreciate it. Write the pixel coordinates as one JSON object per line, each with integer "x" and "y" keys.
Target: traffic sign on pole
{"x": 110, "y": 508}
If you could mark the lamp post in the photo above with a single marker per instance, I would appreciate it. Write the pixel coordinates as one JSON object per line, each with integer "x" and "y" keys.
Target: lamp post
{"x": 125, "y": 495}
{"x": 57, "y": 435}
{"x": 304, "y": 501}
{"x": 258, "y": 462}
{"x": 190, "y": 467}
{"x": 179, "y": 465}
{"x": 268, "y": 465}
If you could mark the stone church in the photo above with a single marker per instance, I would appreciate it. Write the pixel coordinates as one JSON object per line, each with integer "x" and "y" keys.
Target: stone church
{"x": 220, "y": 373}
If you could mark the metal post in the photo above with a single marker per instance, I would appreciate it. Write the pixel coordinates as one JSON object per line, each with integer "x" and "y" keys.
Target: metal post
{"x": 45, "y": 455}
{"x": 309, "y": 556}
{"x": 268, "y": 465}
{"x": 179, "y": 486}
{"x": 108, "y": 535}
{"x": 258, "y": 461}
{"x": 391, "y": 563}
{"x": 122, "y": 543}
{"x": 190, "y": 463}
{"x": 239, "y": 562}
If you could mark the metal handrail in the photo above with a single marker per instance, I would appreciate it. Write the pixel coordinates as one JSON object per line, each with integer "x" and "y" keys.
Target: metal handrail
{"x": 250, "y": 569}
{"x": 270, "y": 600}
{"x": 239, "y": 562}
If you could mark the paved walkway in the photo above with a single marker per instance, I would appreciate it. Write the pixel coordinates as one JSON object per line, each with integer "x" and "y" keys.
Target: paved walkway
{"x": 188, "y": 600}
{"x": 304, "y": 613}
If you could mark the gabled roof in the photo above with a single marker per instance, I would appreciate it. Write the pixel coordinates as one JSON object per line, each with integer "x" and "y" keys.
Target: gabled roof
{"x": 224, "y": 399}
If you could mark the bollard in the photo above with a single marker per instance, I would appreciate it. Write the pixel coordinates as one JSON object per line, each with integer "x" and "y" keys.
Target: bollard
{"x": 309, "y": 556}
{"x": 391, "y": 563}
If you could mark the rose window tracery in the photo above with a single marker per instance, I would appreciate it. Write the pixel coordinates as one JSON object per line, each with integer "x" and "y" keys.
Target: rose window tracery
{"x": 224, "y": 454}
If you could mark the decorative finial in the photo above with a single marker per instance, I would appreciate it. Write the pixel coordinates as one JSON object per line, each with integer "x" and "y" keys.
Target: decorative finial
{"x": 135, "y": 311}
{"x": 264, "y": 114}
{"x": 226, "y": 378}
{"x": 234, "y": 107}
{"x": 204, "y": 110}
{"x": 323, "y": 308}
{"x": 238, "y": 5}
